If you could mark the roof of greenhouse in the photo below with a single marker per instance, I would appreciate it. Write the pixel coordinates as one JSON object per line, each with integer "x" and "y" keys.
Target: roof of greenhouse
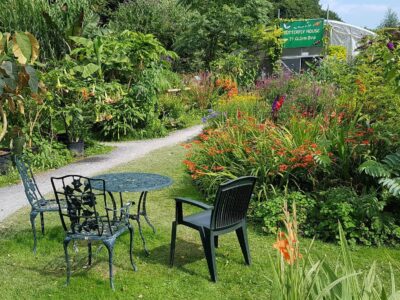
{"x": 347, "y": 35}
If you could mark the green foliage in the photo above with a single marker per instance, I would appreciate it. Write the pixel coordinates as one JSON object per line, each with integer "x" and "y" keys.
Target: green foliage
{"x": 52, "y": 22}
{"x": 364, "y": 218}
{"x": 387, "y": 172}
{"x": 237, "y": 67}
{"x": 48, "y": 155}
{"x": 338, "y": 52}
{"x": 165, "y": 19}
{"x": 18, "y": 79}
{"x": 270, "y": 211}
{"x": 111, "y": 83}
{"x": 219, "y": 27}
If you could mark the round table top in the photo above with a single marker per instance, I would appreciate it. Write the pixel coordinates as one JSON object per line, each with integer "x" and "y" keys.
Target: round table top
{"x": 132, "y": 182}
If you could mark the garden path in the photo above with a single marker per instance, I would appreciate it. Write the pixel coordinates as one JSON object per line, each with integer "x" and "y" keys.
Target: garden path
{"x": 13, "y": 197}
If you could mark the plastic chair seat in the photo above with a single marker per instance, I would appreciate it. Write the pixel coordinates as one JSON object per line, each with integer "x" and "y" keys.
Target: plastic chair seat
{"x": 202, "y": 219}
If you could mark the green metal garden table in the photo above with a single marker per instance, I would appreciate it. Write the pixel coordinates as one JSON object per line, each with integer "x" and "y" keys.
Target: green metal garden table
{"x": 134, "y": 182}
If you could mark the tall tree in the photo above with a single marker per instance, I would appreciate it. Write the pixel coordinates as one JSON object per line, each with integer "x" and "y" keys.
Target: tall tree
{"x": 301, "y": 9}
{"x": 218, "y": 27}
{"x": 390, "y": 19}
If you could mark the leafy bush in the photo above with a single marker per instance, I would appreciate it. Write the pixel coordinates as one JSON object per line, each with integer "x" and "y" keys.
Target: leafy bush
{"x": 52, "y": 22}
{"x": 364, "y": 218}
{"x": 166, "y": 19}
{"x": 272, "y": 216}
{"x": 48, "y": 155}
{"x": 338, "y": 52}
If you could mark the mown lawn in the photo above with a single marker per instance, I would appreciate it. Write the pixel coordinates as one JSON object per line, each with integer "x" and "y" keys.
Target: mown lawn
{"x": 25, "y": 276}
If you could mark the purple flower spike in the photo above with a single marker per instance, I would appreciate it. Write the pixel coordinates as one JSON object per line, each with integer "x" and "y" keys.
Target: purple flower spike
{"x": 390, "y": 46}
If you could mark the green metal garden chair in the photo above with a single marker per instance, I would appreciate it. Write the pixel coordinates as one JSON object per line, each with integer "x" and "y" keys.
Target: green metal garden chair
{"x": 88, "y": 216}
{"x": 39, "y": 204}
{"x": 228, "y": 214}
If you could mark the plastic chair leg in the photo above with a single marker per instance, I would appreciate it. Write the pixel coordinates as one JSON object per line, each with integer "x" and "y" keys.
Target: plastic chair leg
{"x": 173, "y": 242}
{"x": 244, "y": 245}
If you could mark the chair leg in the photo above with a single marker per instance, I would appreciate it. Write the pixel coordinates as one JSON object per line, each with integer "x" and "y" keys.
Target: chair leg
{"x": 89, "y": 253}
{"x": 209, "y": 250}
{"x": 66, "y": 242}
{"x": 216, "y": 241}
{"x": 244, "y": 245}
{"x": 33, "y": 217}
{"x": 131, "y": 248}
{"x": 42, "y": 222}
{"x": 173, "y": 242}
{"x": 110, "y": 247}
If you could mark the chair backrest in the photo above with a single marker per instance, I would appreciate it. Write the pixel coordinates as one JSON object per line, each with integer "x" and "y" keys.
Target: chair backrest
{"x": 82, "y": 210}
{"x": 31, "y": 189}
{"x": 232, "y": 201}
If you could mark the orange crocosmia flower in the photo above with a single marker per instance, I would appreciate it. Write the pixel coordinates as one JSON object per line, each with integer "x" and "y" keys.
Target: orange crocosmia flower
{"x": 218, "y": 168}
{"x": 203, "y": 136}
{"x": 283, "y": 168}
{"x": 308, "y": 158}
{"x": 85, "y": 94}
{"x": 187, "y": 146}
{"x": 190, "y": 165}
{"x": 365, "y": 142}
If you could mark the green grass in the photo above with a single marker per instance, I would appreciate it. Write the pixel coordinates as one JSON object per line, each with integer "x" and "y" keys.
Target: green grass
{"x": 26, "y": 276}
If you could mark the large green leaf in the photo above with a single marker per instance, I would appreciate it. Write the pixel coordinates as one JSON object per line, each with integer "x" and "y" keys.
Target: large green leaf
{"x": 9, "y": 69}
{"x": 89, "y": 69}
{"x": 33, "y": 79}
{"x": 22, "y": 47}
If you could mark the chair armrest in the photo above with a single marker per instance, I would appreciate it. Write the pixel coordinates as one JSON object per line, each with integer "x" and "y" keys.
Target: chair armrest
{"x": 194, "y": 203}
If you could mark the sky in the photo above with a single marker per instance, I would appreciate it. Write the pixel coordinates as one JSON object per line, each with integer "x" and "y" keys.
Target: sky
{"x": 363, "y": 13}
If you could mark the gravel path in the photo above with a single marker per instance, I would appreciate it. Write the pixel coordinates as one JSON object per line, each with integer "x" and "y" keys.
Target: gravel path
{"x": 13, "y": 197}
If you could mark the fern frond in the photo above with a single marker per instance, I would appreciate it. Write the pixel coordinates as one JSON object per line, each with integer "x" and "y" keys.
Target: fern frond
{"x": 393, "y": 184}
{"x": 323, "y": 160}
{"x": 374, "y": 169}
{"x": 392, "y": 161}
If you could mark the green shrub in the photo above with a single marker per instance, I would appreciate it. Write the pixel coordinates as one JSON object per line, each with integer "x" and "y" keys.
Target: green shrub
{"x": 166, "y": 19}
{"x": 48, "y": 155}
{"x": 363, "y": 218}
{"x": 52, "y": 22}
{"x": 338, "y": 52}
{"x": 272, "y": 216}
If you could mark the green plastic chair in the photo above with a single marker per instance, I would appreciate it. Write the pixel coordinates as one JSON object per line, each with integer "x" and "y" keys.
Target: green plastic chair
{"x": 89, "y": 216}
{"x": 228, "y": 214}
{"x": 39, "y": 204}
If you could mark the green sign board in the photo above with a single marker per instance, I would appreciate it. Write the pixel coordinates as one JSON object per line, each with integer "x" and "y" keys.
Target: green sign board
{"x": 301, "y": 34}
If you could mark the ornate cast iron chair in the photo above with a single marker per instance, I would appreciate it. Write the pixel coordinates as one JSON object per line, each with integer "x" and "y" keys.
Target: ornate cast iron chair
{"x": 38, "y": 203}
{"x": 88, "y": 216}
{"x": 227, "y": 214}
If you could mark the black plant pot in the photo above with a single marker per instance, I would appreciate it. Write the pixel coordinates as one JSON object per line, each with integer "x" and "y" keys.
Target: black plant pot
{"x": 18, "y": 145}
{"x": 77, "y": 148}
{"x": 5, "y": 160}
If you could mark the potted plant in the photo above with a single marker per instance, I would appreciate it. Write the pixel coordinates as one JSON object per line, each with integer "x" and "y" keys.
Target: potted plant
{"x": 18, "y": 80}
{"x": 76, "y": 128}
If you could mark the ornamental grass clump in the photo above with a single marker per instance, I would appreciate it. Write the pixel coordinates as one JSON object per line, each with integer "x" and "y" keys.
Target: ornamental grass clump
{"x": 296, "y": 275}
